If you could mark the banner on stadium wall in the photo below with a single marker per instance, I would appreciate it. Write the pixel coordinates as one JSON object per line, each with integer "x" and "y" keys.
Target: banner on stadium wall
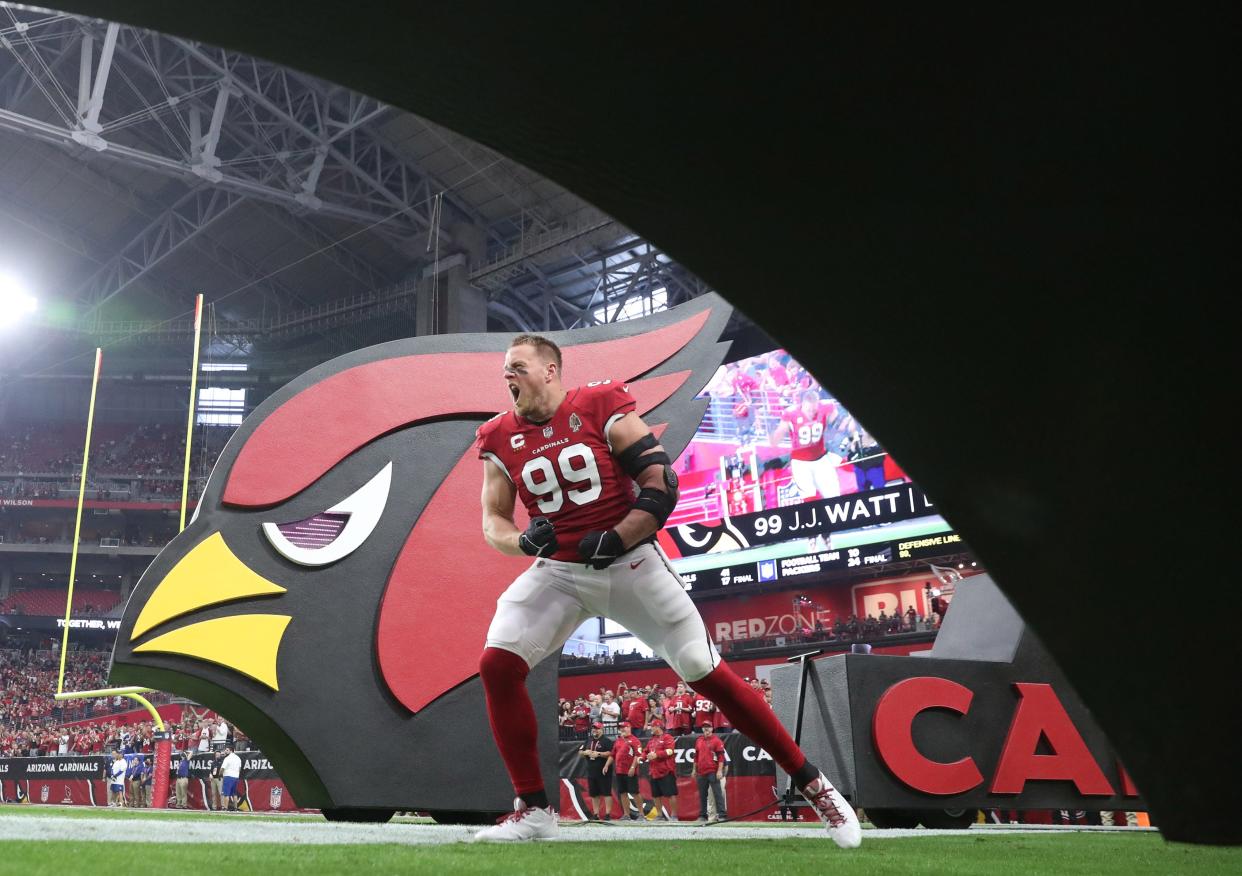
{"x": 82, "y": 781}
{"x": 70, "y": 781}
{"x": 750, "y": 781}
{"x": 45, "y": 624}
{"x": 116, "y": 504}
{"x": 760, "y": 615}
{"x": 771, "y": 615}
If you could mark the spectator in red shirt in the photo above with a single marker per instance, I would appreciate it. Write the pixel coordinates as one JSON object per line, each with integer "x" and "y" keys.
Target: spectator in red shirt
{"x": 705, "y": 711}
{"x": 666, "y": 706}
{"x": 626, "y": 752}
{"x": 682, "y": 706}
{"x": 582, "y": 716}
{"x": 662, "y": 767}
{"x": 776, "y": 376}
{"x": 636, "y": 710}
{"x": 709, "y": 764}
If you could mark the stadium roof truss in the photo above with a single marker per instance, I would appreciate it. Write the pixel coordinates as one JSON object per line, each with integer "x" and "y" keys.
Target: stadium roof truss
{"x": 235, "y": 129}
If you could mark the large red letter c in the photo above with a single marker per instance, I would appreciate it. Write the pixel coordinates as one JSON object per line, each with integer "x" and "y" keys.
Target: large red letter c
{"x": 892, "y": 731}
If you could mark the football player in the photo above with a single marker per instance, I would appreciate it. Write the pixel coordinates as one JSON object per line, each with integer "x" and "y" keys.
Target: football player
{"x": 573, "y": 456}
{"x": 814, "y": 436}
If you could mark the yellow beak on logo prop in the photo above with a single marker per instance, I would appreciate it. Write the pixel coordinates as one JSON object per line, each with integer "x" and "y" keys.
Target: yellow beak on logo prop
{"x": 245, "y": 643}
{"x": 210, "y": 574}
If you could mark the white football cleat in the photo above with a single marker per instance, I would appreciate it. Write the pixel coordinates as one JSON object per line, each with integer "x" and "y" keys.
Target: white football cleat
{"x": 522, "y": 825}
{"x": 836, "y": 814}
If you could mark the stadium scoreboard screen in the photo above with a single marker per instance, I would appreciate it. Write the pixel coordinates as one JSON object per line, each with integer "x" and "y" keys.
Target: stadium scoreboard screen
{"x": 743, "y": 495}
{"x": 805, "y": 567}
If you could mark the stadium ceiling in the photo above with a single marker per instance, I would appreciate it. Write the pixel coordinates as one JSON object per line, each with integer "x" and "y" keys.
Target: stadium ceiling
{"x": 138, "y": 168}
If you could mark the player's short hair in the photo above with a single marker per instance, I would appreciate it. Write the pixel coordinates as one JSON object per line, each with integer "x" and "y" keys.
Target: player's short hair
{"x": 809, "y": 394}
{"x": 548, "y": 349}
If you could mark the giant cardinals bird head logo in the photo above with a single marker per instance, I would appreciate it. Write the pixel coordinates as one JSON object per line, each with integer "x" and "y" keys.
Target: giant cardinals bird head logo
{"x": 333, "y": 591}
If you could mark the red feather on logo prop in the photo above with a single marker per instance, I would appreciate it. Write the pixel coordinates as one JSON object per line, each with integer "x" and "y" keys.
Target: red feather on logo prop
{"x": 445, "y": 575}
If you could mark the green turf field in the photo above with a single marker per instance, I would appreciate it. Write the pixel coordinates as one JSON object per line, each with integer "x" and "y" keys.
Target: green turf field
{"x": 984, "y": 855}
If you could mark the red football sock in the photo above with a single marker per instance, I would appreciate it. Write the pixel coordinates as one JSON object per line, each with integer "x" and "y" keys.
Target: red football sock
{"x": 748, "y": 712}
{"x": 512, "y": 716}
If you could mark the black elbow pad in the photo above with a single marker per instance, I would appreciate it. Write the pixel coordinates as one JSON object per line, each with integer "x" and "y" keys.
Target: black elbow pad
{"x": 635, "y": 458}
{"x": 660, "y": 503}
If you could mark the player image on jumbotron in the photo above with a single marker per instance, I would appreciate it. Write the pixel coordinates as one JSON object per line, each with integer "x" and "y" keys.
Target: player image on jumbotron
{"x": 779, "y": 463}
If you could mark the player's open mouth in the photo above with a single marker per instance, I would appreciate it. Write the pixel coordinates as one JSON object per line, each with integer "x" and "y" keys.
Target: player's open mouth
{"x": 514, "y": 391}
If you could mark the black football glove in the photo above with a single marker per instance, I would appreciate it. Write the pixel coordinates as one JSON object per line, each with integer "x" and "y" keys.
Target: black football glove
{"x": 599, "y": 549}
{"x": 539, "y": 539}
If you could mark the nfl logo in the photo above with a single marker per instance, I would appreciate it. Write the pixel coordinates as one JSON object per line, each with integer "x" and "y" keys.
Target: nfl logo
{"x": 574, "y": 422}
{"x": 43, "y": 793}
{"x": 767, "y": 570}
{"x": 547, "y": 431}
{"x": 275, "y": 796}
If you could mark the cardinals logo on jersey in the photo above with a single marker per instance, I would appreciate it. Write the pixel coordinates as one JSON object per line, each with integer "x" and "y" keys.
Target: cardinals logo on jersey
{"x": 332, "y": 593}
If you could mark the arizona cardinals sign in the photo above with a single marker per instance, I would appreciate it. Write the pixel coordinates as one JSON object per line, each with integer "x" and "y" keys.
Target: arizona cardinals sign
{"x": 985, "y": 720}
{"x": 333, "y": 591}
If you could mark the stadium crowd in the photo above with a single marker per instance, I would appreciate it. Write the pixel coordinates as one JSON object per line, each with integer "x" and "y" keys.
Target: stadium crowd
{"x": 119, "y": 449}
{"x": 33, "y": 723}
{"x": 128, "y": 461}
{"x": 749, "y": 398}
{"x": 678, "y": 709}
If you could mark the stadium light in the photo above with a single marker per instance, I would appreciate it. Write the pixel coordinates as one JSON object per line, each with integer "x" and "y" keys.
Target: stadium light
{"x": 15, "y": 302}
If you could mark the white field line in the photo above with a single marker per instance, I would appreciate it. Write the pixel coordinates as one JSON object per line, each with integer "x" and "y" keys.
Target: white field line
{"x": 242, "y": 830}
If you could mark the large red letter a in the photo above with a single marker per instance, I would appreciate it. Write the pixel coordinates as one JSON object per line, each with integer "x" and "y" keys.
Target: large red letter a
{"x": 1040, "y": 713}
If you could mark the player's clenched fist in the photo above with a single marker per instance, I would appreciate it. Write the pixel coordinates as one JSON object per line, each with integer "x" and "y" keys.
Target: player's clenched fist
{"x": 539, "y": 539}
{"x": 599, "y": 549}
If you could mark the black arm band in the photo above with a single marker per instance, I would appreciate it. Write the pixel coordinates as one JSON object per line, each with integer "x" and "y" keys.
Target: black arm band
{"x": 657, "y": 503}
{"x": 635, "y": 457}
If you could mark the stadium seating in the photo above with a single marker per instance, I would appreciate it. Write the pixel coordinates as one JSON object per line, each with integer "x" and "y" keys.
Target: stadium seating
{"x": 50, "y": 602}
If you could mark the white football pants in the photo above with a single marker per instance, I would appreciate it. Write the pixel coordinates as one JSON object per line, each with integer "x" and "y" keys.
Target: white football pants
{"x": 817, "y": 476}
{"x": 640, "y": 591}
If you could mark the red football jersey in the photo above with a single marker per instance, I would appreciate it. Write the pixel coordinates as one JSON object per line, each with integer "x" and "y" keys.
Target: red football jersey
{"x": 563, "y": 469}
{"x": 704, "y": 711}
{"x": 686, "y": 701}
{"x": 636, "y": 712}
{"x": 662, "y": 764}
{"x": 807, "y": 433}
{"x": 672, "y": 720}
{"x": 624, "y": 751}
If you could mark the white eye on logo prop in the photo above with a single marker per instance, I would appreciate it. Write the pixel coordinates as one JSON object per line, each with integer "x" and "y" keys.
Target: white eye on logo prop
{"x": 337, "y": 532}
